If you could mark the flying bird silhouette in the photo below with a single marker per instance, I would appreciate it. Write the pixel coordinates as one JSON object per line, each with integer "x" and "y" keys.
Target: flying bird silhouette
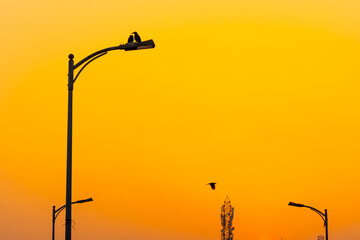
{"x": 131, "y": 39}
{"x": 212, "y": 185}
{"x": 137, "y": 37}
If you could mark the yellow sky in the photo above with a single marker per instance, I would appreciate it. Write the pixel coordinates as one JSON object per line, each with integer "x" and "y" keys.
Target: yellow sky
{"x": 259, "y": 96}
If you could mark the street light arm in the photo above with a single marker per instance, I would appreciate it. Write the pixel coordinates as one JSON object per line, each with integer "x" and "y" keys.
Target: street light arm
{"x": 102, "y": 54}
{"x": 120, "y": 47}
{"x": 57, "y": 212}
{"x": 322, "y": 215}
{"x": 127, "y": 47}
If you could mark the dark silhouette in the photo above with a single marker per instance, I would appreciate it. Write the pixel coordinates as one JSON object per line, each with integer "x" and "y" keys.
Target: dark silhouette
{"x": 71, "y": 80}
{"x": 212, "y": 185}
{"x": 226, "y": 216}
{"x": 324, "y": 216}
{"x": 56, "y": 212}
{"x": 131, "y": 39}
{"x": 137, "y": 37}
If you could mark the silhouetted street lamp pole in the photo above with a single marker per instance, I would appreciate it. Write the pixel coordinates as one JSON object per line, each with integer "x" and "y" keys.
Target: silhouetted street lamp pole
{"x": 324, "y": 216}
{"x": 71, "y": 81}
{"x": 55, "y": 213}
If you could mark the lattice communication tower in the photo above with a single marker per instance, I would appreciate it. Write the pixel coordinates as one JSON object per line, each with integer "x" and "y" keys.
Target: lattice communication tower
{"x": 227, "y": 214}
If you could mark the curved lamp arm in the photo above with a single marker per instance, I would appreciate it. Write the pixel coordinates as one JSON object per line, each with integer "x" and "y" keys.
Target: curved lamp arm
{"x": 57, "y": 212}
{"x": 322, "y": 215}
{"x": 102, "y": 52}
{"x": 98, "y": 53}
{"x": 87, "y": 64}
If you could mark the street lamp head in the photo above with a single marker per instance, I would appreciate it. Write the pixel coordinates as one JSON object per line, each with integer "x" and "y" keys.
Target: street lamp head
{"x": 139, "y": 45}
{"x": 147, "y": 44}
{"x": 295, "y": 204}
{"x": 84, "y": 200}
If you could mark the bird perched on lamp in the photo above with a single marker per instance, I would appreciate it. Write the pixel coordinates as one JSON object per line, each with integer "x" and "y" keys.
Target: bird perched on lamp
{"x": 137, "y": 37}
{"x": 131, "y": 39}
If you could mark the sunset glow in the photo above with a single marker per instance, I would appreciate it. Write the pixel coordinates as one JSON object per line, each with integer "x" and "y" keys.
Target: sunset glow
{"x": 261, "y": 97}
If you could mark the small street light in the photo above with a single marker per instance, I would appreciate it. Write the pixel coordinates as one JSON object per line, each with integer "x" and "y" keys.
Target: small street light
{"x": 56, "y": 212}
{"x": 324, "y": 216}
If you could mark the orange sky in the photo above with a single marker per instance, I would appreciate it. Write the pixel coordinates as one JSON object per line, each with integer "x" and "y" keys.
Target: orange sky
{"x": 259, "y": 96}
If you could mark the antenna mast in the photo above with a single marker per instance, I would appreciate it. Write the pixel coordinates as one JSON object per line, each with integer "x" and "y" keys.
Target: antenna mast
{"x": 227, "y": 214}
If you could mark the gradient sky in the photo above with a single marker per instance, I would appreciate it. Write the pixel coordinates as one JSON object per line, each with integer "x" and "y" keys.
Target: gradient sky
{"x": 259, "y": 96}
